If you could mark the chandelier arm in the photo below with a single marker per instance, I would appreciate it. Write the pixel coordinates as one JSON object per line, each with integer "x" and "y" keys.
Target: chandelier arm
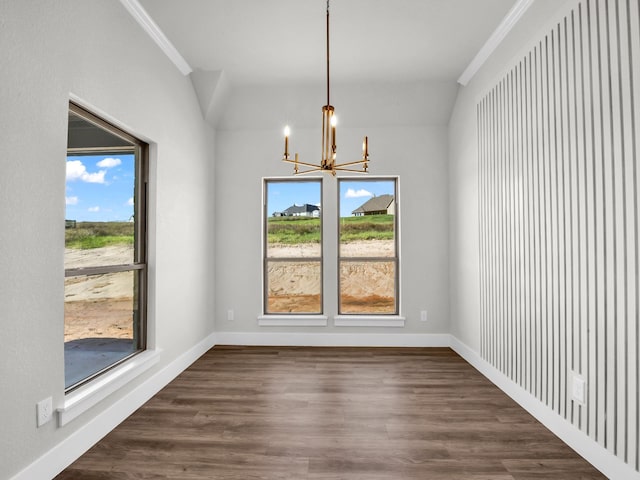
{"x": 308, "y": 171}
{"x": 347, "y": 170}
{"x": 351, "y": 163}
{"x": 301, "y": 163}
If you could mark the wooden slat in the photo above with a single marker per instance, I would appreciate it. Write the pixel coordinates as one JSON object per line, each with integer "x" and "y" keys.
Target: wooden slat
{"x": 632, "y": 12}
{"x": 562, "y": 222}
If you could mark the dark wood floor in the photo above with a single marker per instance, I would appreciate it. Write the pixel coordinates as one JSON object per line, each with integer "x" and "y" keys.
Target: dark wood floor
{"x": 247, "y": 413}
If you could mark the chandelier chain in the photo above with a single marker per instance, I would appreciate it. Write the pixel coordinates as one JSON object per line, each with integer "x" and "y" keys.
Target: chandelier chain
{"x": 328, "y": 99}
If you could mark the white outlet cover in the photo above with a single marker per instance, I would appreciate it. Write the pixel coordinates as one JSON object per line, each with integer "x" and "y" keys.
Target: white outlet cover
{"x": 44, "y": 410}
{"x": 579, "y": 389}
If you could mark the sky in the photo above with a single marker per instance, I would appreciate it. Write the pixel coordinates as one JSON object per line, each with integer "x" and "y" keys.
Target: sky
{"x": 281, "y": 195}
{"x": 100, "y": 188}
{"x": 353, "y": 193}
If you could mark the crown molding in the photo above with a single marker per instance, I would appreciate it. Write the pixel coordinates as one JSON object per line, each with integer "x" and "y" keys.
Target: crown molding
{"x": 153, "y": 30}
{"x": 508, "y": 22}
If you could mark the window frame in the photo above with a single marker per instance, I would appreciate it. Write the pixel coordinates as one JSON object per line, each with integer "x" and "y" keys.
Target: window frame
{"x": 140, "y": 150}
{"x": 395, "y": 259}
{"x": 266, "y": 259}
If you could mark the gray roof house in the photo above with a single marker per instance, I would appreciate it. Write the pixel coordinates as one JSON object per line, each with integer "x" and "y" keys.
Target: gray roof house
{"x": 305, "y": 210}
{"x": 382, "y": 205}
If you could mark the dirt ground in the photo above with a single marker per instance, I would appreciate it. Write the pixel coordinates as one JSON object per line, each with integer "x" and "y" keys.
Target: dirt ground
{"x": 108, "y": 318}
{"x": 99, "y": 305}
{"x": 102, "y": 305}
{"x": 365, "y": 286}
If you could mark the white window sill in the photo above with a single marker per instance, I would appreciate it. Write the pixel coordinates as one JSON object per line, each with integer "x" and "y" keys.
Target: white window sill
{"x": 293, "y": 320}
{"x": 368, "y": 321}
{"x": 85, "y": 397}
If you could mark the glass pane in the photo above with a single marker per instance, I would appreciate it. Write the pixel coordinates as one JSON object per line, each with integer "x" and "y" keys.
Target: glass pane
{"x": 99, "y": 226}
{"x": 293, "y": 219}
{"x": 367, "y": 218}
{"x": 294, "y": 287}
{"x": 368, "y": 287}
{"x": 101, "y": 322}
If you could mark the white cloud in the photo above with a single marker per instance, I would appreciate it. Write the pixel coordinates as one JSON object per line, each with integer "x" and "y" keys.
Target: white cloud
{"x": 94, "y": 209}
{"x": 71, "y": 200}
{"x": 109, "y": 162}
{"x": 130, "y": 202}
{"x": 97, "y": 177}
{"x": 77, "y": 171}
{"x": 351, "y": 193}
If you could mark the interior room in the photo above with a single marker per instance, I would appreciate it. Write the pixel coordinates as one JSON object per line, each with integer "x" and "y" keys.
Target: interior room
{"x": 487, "y": 148}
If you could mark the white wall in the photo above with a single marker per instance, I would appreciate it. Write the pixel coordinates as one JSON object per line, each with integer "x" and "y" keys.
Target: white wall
{"x": 94, "y": 50}
{"x": 406, "y": 126}
{"x": 555, "y": 338}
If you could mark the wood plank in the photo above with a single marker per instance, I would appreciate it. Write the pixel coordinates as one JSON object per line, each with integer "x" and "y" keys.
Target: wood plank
{"x": 330, "y": 413}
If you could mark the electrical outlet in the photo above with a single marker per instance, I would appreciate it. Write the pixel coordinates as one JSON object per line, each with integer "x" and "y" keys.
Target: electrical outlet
{"x": 579, "y": 389}
{"x": 230, "y": 315}
{"x": 423, "y": 316}
{"x": 44, "y": 410}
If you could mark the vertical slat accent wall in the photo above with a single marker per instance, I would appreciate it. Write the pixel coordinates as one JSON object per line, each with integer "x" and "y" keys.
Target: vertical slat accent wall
{"x": 558, "y": 141}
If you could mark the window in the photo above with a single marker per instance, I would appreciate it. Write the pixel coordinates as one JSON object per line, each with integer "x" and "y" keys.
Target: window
{"x": 368, "y": 260}
{"x": 368, "y": 252}
{"x": 292, "y": 246}
{"x": 105, "y": 247}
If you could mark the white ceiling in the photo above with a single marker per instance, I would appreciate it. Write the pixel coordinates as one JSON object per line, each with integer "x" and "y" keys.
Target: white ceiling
{"x": 276, "y": 41}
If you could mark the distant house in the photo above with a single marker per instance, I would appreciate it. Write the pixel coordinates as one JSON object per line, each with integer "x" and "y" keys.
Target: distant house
{"x": 382, "y": 205}
{"x": 305, "y": 210}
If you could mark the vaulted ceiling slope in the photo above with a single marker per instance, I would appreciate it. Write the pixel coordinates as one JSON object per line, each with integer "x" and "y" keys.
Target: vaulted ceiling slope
{"x": 258, "y": 42}
{"x": 230, "y": 47}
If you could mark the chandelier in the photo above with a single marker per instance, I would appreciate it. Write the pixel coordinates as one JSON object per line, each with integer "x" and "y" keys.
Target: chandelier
{"x": 329, "y": 121}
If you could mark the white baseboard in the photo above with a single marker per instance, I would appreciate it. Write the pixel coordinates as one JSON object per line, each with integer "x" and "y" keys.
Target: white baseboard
{"x": 610, "y": 465}
{"x": 68, "y": 450}
{"x": 317, "y": 339}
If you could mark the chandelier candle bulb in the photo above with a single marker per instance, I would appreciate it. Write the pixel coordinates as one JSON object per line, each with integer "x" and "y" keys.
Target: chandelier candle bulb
{"x": 334, "y": 121}
{"x": 287, "y": 131}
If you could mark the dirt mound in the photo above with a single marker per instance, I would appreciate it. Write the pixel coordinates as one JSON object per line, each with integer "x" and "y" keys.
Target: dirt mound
{"x": 365, "y": 286}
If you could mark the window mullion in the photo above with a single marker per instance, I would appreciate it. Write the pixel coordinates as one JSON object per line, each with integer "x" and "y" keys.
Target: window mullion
{"x": 86, "y": 271}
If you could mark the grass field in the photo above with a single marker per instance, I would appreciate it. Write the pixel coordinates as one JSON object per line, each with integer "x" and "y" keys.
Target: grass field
{"x": 294, "y": 230}
{"x": 368, "y": 227}
{"x": 88, "y": 235}
{"x": 286, "y": 230}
